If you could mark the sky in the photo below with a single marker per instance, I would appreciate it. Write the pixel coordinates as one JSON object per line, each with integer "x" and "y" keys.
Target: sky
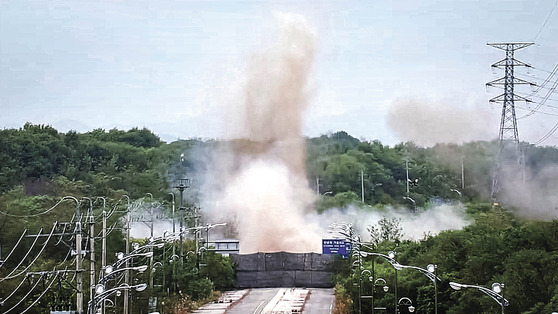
{"x": 384, "y": 70}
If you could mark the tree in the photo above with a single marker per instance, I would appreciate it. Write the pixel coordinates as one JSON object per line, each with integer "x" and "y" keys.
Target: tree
{"x": 386, "y": 230}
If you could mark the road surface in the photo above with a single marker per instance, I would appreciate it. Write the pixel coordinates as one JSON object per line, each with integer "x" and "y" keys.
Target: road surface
{"x": 268, "y": 300}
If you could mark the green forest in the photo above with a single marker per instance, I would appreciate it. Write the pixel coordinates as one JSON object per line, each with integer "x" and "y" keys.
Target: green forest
{"x": 111, "y": 170}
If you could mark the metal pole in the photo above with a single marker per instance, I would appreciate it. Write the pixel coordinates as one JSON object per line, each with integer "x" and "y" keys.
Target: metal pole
{"x": 373, "y": 282}
{"x": 92, "y": 252}
{"x": 127, "y": 272}
{"x": 181, "y": 223}
{"x": 435, "y": 290}
{"x": 396, "y": 308}
{"x": 502, "y": 303}
{"x": 362, "y": 183}
{"x": 104, "y": 253}
{"x": 173, "y": 241}
{"x": 151, "y": 247}
{"x": 181, "y": 187}
{"x": 407, "y": 172}
{"x": 79, "y": 282}
{"x": 359, "y": 291}
{"x": 462, "y": 173}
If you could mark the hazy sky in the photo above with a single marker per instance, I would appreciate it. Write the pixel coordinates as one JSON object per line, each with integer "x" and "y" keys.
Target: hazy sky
{"x": 388, "y": 70}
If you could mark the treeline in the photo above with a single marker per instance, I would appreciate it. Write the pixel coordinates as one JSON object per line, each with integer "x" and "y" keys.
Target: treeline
{"x": 338, "y": 165}
{"x": 105, "y": 161}
{"x": 39, "y": 166}
{"x": 341, "y": 165}
{"x": 497, "y": 248}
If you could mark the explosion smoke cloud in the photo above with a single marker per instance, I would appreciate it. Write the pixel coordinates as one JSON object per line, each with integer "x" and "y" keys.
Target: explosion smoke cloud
{"x": 262, "y": 186}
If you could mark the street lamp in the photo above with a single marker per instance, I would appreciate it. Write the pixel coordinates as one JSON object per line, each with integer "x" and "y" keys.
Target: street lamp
{"x": 360, "y": 296}
{"x": 404, "y": 301}
{"x": 376, "y": 283}
{"x": 110, "y": 272}
{"x": 429, "y": 272}
{"x": 124, "y": 258}
{"x": 413, "y": 201}
{"x": 432, "y": 269}
{"x": 456, "y": 191}
{"x": 382, "y": 281}
{"x": 496, "y": 293}
{"x": 391, "y": 259}
{"x": 101, "y": 294}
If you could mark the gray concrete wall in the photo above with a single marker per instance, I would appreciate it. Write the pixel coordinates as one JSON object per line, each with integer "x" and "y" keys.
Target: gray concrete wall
{"x": 282, "y": 269}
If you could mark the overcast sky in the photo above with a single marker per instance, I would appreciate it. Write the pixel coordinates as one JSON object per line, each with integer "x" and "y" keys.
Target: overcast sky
{"x": 388, "y": 70}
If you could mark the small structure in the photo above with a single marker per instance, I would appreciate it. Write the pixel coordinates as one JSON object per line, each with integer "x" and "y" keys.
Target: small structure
{"x": 224, "y": 247}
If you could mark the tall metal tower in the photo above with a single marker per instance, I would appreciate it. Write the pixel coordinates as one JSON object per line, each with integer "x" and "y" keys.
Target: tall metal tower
{"x": 508, "y": 122}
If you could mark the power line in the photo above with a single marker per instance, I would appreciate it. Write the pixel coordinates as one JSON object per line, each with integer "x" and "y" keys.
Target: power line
{"x": 546, "y": 21}
{"x": 543, "y": 101}
{"x": 547, "y": 135}
{"x": 541, "y": 112}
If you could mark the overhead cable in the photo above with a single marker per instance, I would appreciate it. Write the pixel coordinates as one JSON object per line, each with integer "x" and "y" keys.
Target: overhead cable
{"x": 546, "y": 21}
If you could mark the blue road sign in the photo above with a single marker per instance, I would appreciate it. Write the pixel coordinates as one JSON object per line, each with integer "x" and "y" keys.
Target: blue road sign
{"x": 334, "y": 246}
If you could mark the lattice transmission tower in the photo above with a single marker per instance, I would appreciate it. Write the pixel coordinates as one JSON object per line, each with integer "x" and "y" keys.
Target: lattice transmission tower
{"x": 508, "y": 123}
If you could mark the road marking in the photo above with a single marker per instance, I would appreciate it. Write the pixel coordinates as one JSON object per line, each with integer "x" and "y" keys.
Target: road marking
{"x": 256, "y": 310}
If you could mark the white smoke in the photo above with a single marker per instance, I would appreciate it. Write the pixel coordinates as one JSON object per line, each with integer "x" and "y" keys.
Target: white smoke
{"x": 414, "y": 225}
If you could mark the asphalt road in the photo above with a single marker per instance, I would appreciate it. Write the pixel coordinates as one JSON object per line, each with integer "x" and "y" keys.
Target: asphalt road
{"x": 320, "y": 301}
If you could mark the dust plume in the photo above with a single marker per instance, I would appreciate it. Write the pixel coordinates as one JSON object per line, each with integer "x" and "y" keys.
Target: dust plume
{"x": 531, "y": 193}
{"x": 426, "y": 123}
{"x": 414, "y": 226}
{"x": 258, "y": 179}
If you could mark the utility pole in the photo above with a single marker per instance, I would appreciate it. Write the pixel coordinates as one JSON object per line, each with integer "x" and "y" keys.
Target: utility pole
{"x": 103, "y": 246}
{"x": 407, "y": 173}
{"x": 151, "y": 239}
{"x": 127, "y": 272}
{"x": 462, "y": 173}
{"x": 91, "y": 220}
{"x": 183, "y": 184}
{"x": 362, "y": 183}
{"x": 173, "y": 241}
{"x": 79, "y": 279}
{"x": 508, "y": 122}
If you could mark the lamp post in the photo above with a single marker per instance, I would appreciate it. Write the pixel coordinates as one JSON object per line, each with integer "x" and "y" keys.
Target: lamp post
{"x": 391, "y": 259}
{"x": 360, "y": 296}
{"x": 183, "y": 184}
{"x": 404, "y": 301}
{"x": 385, "y": 288}
{"x": 91, "y": 221}
{"x": 456, "y": 191}
{"x": 391, "y": 255}
{"x": 110, "y": 272}
{"x": 412, "y": 201}
{"x": 151, "y": 248}
{"x": 432, "y": 269}
{"x": 429, "y": 272}
{"x": 496, "y": 293}
{"x": 127, "y": 273}
{"x": 101, "y": 294}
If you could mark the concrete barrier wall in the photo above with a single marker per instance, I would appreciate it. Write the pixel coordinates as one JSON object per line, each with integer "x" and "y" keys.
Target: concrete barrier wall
{"x": 282, "y": 269}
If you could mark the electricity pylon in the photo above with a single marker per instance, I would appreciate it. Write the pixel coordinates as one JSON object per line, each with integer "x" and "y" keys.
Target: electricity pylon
{"x": 508, "y": 122}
